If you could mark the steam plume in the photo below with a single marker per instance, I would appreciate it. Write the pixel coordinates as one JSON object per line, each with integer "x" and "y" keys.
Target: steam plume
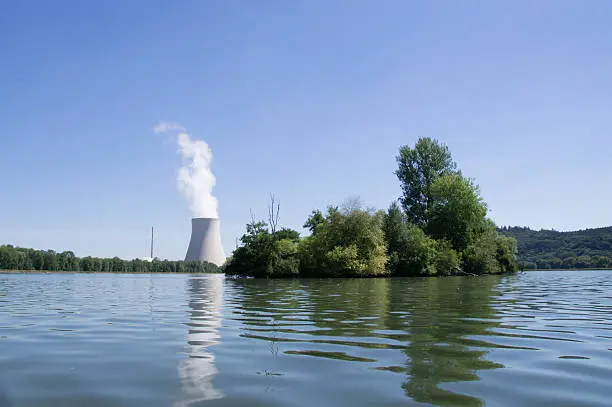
{"x": 168, "y": 127}
{"x": 195, "y": 179}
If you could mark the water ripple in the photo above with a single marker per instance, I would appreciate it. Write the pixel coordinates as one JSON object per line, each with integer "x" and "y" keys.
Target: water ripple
{"x": 532, "y": 339}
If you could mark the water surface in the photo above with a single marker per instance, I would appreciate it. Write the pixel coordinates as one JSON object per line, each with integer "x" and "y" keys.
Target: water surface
{"x": 532, "y": 339}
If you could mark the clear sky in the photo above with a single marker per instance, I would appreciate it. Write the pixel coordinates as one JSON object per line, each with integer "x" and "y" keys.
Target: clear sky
{"x": 309, "y": 100}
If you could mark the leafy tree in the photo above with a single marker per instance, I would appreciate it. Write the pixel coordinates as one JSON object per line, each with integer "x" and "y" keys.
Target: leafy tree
{"x": 50, "y": 260}
{"x": 38, "y": 260}
{"x": 285, "y": 260}
{"x": 443, "y": 229}
{"x": 506, "y": 254}
{"x": 348, "y": 243}
{"x": 394, "y": 230}
{"x": 480, "y": 256}
{"x": 315, "y": 219}
{"x": 420, "y": 253}
{"x": 288, "y": 234}
{"x": 9, "y": 258}
{"x": 447, "y": 260}
{"x": 418, "y": 169}
{"x": 264, "y": 253}
{"x": 253, "y": 258}
{"x": 457, "y": 212}
{"x": 412, "y": 253}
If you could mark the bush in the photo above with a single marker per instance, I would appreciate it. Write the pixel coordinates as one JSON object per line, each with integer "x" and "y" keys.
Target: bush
{"x": 410, "y": 251}
{"x": 347, "y": 242}
{"x": 446, "y": 260}
{"x": 285, "y": 261}
{"x": 506, "y": 254}
{"x": 265, "y": 254}
{"x": 480, "y": 256}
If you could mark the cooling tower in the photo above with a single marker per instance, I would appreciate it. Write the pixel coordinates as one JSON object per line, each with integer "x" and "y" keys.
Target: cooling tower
{"x": 205, "y": 243}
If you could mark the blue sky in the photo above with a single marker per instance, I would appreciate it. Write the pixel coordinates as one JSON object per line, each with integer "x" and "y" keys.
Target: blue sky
{"x": 309, "y": 100}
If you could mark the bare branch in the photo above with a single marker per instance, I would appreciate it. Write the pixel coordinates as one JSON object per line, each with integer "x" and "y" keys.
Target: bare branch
{"x": 273, "y": 213}
{"x": 351, "y": 204}
{"x": 277, "y": 212}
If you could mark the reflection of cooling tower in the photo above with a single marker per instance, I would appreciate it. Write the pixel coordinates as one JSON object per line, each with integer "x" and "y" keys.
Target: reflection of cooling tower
{"x": 205, "y": 243}
{"x": 197, "y": 371}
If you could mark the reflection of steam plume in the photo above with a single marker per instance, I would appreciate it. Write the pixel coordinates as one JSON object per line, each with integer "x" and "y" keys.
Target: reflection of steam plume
{"x": 198, "y": 370}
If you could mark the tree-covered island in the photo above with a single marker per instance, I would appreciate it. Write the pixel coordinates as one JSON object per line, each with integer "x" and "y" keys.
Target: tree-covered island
{"x": 439, "y": 227}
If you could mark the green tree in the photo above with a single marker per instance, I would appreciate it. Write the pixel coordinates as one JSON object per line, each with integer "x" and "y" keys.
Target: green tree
{"x": 315, "y": 219}
{"x": 349, "y": 242}
{"x": 50, "y": 262}
{"x": 443, "y": 229}
{"x": 447, "y": 260}
{"x": 457, "y": 211}
{"x": 286, "y": 233}
{"x": 480, "y": 256}
{"x": 410, "y": 251}
{"x": 285, "y": 260}
{"x": 38, "y": 259}
{"x": 253, "y": 257}
{"x": 507, "y": 252}
{"x": 394, "y": 231}
{"x": 9, "y": 258}
{"x": 264, "y": 253}
{"x": 418, "y": 168}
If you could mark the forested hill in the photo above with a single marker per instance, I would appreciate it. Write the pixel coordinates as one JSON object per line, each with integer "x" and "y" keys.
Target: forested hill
{"x": 546, "y": 249}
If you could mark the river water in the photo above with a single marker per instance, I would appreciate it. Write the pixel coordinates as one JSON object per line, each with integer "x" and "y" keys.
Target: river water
{"x": 532, "y": 339}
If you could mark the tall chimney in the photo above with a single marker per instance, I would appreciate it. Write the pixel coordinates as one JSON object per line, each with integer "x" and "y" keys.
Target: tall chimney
{"x": 205, "y": 243}
{"x": 151, "y": 241}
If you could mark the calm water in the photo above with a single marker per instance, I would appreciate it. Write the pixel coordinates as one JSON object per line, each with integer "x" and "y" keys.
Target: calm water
{"x": 534, "y": 339}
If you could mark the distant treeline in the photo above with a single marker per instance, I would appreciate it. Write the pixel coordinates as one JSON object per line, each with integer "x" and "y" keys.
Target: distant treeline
{"x": 17, "y": 258}
{"x": 550, "y": 249}
{"x": 438, "y": 228}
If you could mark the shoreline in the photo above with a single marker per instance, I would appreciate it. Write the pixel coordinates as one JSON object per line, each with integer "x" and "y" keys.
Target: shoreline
{"x": 94, "y": 272}
{"x": 248, "y": 277}
{"x": 573, "y": 269}
{"x": 281, "y": 278}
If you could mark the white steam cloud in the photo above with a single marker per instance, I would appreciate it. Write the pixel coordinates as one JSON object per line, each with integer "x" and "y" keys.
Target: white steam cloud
{"x": 168, "y": 127}
{"x": 195, "y": 179}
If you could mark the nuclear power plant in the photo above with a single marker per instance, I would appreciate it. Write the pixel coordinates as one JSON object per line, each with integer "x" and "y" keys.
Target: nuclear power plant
{"x": 205, "y": 243}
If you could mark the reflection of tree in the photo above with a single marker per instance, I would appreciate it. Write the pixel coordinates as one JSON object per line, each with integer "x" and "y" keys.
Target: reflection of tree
{"x": 266, "y": 306}
{"x": 335, "y": 307}
{"x": 340, "y": 312}
{"x": 440, "y": 314}
{"x": 268, "y": 311}
{"x": 431, "y": 320}
{"x": 350, "y": 307}
{"x": 265, "y": 303}
{"x": 198, "y": 370}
